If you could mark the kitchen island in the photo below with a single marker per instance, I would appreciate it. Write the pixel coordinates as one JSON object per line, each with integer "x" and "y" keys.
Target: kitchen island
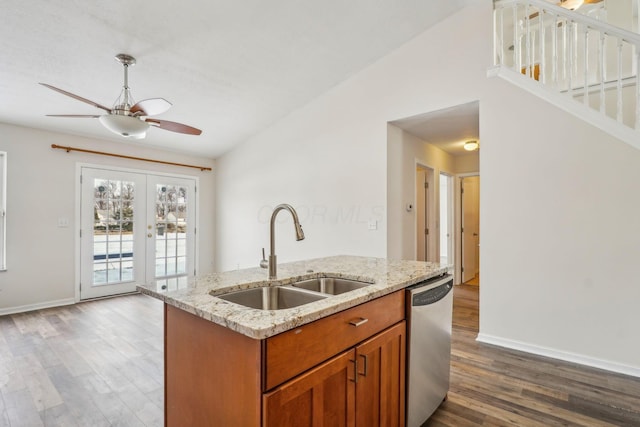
{"x": 339, "y": 359}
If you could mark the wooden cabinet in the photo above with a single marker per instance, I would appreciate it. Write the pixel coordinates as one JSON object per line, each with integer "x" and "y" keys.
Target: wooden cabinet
{"x": 324, "y": 396}
{"x": 211, "y": 373}
{"x": 293, "y": 352}
{"x": 347, "y": 369}
{"x": 362, "y": 387}
{"x": 380, "y": 390}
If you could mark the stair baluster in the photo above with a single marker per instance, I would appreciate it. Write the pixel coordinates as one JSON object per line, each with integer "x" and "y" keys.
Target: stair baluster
{"x": 571, "y": 54}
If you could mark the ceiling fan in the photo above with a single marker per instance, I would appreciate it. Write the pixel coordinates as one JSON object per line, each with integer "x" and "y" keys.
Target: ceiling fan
{"x": 127, "y": 118}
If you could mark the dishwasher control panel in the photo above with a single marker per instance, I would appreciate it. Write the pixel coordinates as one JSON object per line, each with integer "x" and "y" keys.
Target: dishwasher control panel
{"x": 433, "y": 295}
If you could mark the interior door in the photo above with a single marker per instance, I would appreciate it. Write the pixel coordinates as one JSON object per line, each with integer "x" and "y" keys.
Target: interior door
{"x": 113, "y": 219}
{"x": 470, "y": 187}
{"x": 422, "y": 238}
{"x": 171, "y": 227}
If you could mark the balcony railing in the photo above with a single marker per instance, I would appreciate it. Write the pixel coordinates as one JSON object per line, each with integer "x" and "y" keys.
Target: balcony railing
{"x": 589, "y": 60}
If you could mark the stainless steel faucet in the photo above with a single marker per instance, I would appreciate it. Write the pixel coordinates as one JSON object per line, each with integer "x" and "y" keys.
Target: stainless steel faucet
{"x": 272, "y": 256}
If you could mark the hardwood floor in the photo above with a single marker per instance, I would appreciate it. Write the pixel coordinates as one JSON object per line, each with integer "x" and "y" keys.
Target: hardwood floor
{"x": 100, "y": 364}
{"x": 492, "y": 386}
{"x": 474, "y": 281}
{"x": 97, "y": 363}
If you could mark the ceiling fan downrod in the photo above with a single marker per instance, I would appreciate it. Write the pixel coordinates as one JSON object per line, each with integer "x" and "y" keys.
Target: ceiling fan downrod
{"x": 123, "y": 107}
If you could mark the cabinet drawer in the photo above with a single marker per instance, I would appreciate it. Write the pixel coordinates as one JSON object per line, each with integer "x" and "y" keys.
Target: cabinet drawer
{"x": 293, "y": 352}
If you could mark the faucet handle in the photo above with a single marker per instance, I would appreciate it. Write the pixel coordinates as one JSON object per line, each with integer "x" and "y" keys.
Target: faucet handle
{"x": 263, "y": 262}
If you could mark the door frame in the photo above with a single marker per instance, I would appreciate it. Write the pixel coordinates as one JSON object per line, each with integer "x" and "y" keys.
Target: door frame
{"x": 431, "y": 198}
{"x": 451, "y": 216}
{"x": 458, "y": 224}
{"x": 78, "y": 207}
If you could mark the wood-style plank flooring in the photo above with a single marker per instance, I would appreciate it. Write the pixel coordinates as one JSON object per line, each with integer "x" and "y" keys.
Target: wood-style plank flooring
{"x": 492, "y": 386}
{"x": 100, "y": 364}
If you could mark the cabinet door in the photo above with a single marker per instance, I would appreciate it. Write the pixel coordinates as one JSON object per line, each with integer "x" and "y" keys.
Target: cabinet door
{"x": 322, "y": 397}
{"x": 380, "y": 389}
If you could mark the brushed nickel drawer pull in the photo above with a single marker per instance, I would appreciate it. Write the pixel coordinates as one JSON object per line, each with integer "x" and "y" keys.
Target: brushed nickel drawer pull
{"x": 357, "y": 323}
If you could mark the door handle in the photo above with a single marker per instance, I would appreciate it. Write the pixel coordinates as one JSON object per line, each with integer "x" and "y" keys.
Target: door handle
{"x": 366, "y": 365}
{"x": 149, "y": 235}
{"x": 355, "y": 371}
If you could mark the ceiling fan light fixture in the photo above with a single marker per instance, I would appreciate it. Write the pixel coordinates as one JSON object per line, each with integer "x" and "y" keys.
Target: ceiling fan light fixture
{"x": 471, "y": 145}
{"x": 571, "y": 4}
{"x": 127, "y": 126}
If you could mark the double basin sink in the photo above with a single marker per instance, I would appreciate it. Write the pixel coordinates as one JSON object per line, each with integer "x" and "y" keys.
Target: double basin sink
{"x": 292, "y": 295}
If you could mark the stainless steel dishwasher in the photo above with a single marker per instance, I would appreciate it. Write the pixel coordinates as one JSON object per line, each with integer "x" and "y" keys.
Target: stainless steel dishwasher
{"x": 429, "y": 316}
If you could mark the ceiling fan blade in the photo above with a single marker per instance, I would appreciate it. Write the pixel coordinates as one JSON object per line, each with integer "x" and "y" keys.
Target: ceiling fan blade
{"x": 75, "y": 116}
{"x": 151, "y": 107}
{"x": 173, "y": 126}
{"x": 79, "y": 98}
{"x": 592, "y": 1}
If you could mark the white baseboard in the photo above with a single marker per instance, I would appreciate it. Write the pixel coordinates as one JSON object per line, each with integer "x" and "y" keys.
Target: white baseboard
{"x": 38, "y": 306}
{"x": 561, "y": 355}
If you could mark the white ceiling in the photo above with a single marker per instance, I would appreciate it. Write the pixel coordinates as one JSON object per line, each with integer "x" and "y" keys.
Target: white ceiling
{"x": 230, "y": 68}
{"x": 448, "y": 128}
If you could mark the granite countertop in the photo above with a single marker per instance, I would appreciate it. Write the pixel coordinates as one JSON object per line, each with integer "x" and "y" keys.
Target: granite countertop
{"x": 197, "y": 295}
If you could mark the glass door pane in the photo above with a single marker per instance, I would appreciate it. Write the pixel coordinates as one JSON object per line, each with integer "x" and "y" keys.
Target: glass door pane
{"x": 173, "y": 215}
{"x": 113, "y": 231}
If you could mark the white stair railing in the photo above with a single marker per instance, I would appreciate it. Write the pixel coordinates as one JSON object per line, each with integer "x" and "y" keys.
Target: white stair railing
{"x": 588, "y": 60}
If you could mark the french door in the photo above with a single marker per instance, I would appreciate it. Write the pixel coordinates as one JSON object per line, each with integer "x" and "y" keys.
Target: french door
{"x": 134, "y": 228}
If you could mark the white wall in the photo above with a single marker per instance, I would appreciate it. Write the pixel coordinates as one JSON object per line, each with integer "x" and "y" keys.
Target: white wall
{"x": 41, "y": 187}
{"x": 330, "y": 157}
{"x": 559, "y": 212}
{"x": 468, "y": 163}
{"x": 559, "y": 233}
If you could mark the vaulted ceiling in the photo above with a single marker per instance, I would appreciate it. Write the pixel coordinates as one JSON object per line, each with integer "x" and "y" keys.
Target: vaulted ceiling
{"x": 230, "y": 68}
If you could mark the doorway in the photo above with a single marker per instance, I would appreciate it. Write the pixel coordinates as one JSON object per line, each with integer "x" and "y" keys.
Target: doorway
{"x": 135, "y": 227}
{"x": 470, "y": 229}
